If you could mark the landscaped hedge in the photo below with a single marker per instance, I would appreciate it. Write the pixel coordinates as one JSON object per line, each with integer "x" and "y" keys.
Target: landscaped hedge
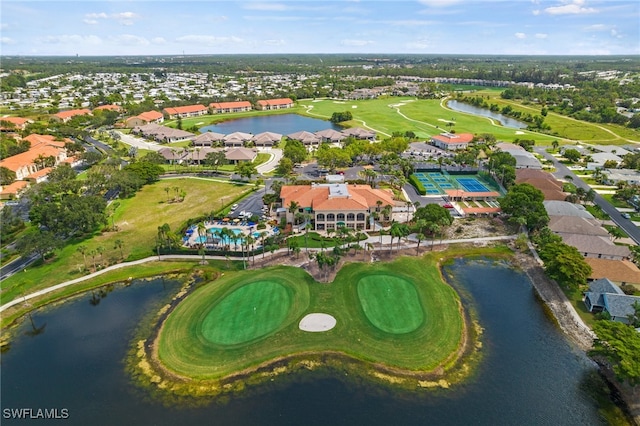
{"x": 413, "y": 180}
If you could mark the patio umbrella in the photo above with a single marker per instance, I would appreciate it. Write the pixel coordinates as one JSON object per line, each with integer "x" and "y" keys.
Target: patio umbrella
{"x": 236, "y": 220}
{"x": 226, "y": 219}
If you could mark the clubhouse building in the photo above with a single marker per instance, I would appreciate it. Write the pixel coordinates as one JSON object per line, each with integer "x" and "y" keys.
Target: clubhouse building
{"x": 334, "y": 205}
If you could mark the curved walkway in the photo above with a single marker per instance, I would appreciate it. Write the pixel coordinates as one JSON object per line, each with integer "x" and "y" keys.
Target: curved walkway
{"x": 194, "y": 257}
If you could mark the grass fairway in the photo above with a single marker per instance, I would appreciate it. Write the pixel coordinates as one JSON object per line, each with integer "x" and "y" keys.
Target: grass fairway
{"x": 390, "y": 303}
{"x": 399, "y": 315}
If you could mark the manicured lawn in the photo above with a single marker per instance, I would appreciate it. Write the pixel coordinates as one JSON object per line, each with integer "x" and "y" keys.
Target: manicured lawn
{"x": 250, "y": 312}
{"x": 425, "y": 117}
{"x": 412, "y": 321}
{"x": 390, "y": 303}
{"x": 138, "y": 219}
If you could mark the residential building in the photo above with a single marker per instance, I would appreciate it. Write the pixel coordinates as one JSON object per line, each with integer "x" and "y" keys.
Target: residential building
{"x": 452, "y": 141}
{"x": 331, "y": 136}
{"x": 116, "y": 108}
{"x": 12, "y": 124}
{"x": 237, "y": 139}
{"x": 228, "y": 107}
{"x": 208, "y": 139}
{"x": 162, "y": 134}
{"x": 613, "y": 176}
{"x": 271, "y": 104}
{"x": 266, "y": 139}
{"x": 65, "y": 116}
{"x": 360, "y": 133}
{"x": 619, "y": 271}
{"x": 331, "y": 206}
{"x": 240, "y": 155}
{"x": 565, "y": 208}
{"x": 308, "y": 139}
{"x": 605, "y": 296}
{"x": 185, "y": 111}
{"x": 550, "y": 187}
{"x": 148, "y": 117}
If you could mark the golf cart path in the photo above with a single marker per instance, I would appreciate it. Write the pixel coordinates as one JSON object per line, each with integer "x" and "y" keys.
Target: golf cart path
{"x": 208, "y": 257}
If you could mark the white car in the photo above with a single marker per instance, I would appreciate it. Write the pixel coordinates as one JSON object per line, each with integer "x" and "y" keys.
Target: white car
{"x": 233, "y": 207}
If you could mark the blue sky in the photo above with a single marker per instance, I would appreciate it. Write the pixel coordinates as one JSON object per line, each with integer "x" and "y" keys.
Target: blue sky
{"x": 494, "y": 27}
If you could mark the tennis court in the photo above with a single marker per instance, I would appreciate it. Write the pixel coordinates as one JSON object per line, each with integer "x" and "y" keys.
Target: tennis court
{"x": 472, "y": 185}
{"x": 436, "y": 183}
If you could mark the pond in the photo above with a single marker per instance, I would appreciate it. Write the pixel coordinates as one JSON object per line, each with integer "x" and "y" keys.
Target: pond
{"x": 284, "y": 124}
{"x": 530, "y": 374}
{"x": 483, "y": 112}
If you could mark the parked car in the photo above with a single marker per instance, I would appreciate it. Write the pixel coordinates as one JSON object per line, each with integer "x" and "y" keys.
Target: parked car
{"x": 626, "y": 215}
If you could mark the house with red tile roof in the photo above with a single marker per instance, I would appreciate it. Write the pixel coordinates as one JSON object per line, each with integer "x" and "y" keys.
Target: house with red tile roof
{"x": 185, "y": 111}
{"x": 148, "y": 117}
{"x": 335, "y": 205}
{"x": 452, "y": 141}
{"x": 271, "y": 104}
{"x": 116, "y": 108}
{"x": 65, "y": 116}
{"x": 11, "y": 124}
{"x": 36, "y": 163}
{"x": 227, "y": 107}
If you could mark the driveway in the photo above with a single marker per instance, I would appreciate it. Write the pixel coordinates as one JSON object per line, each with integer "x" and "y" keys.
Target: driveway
{"x": 271, "y": 164}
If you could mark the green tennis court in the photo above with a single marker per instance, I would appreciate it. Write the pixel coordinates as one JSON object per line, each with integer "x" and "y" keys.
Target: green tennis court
{"x": 391, "y": 304}
{"x": 252, "y": 311}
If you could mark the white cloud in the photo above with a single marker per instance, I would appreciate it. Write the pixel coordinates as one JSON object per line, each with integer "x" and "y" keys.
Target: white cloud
{"x": 421, "y": 43}
{"x": 596, "y": 27}
{"x": 7, "y": 40}
{"x": 274, "y": 42}
{"x": 352, "y": 42}
{"x": 71, "y": 39}
{"x": 124, "y": 18}
{"x": 276, "y": 7}
{"x": 570, "y": 7}
{"x": 129, "y": 40}
{"x": 438, "y": 3}
{"x": 520, "y": 35}
{"x": 208, "y": 40}
{"x": 158, "y": 40}
{"x": 541, "y": 36}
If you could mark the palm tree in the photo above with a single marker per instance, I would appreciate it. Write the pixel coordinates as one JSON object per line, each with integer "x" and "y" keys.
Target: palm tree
{"x": 92, "y": 253}
{"x": 83, "y": 250}
{"x": 263, "y": 234}
{"x": 118, "y": 244}
{"x": 419, "y": 237}
{"x": 386, "y": 211}
{"x": 100, "y": 250}
{"x": 293, "y": 207}
{"x": 555, "y": 144}
{"x": 202, "y": 231}
{"x": 250, "y": 241}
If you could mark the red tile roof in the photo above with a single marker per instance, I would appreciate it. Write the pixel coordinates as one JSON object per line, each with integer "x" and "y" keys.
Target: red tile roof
{"x": 14, "y": 188}
{"x": 109, "y": 107}
{"x": 150, "y": 115}
{"x": 18, "y": 122}
{"x": 44, "y": 145}
{"x": 187, "y": 109}
{"x": 273, "y": 102}
{"x": 361, "y": 197}
{"x": 453, "y": 138}
{"x": 231, "y": 105}
{"x": 64, "y": 115}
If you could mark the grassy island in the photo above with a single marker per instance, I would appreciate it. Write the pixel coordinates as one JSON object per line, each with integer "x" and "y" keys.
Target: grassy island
{"x": 395, "y": 321}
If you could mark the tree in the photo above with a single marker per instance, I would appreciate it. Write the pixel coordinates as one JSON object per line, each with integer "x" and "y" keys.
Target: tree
{"x": 619, "y": 345}
{"x": 119, "y": 244}
{"x": 7, "y": 176}
{"x": 246, "y": 169}
{"x": 147, "y": 172}
{"x": 565, "y": 264}
{"x": 295, "y": 151}
{"x": 285, "y": 167}
{"x": 572, "y": 155}
{"x": 83, "y": 250}
{"x": 525, "y": 201}
{"x": 215, "y": 160}
{"x": 39, "y": 242}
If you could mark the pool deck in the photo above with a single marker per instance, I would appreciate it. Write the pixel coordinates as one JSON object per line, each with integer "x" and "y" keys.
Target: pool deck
{"x": 191, "y": 239}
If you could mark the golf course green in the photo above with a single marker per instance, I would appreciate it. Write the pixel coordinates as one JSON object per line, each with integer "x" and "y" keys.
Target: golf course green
{"x": 398, "y": 316}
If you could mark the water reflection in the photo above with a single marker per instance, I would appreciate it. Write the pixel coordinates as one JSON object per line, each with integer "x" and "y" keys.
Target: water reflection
{"x": 483, "y": 112}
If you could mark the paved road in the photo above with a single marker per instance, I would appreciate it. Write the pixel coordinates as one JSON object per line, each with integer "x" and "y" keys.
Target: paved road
{"x": 17, "y": 265}
{"x": 562, "y": 170}
{"x": 271, "y": 164}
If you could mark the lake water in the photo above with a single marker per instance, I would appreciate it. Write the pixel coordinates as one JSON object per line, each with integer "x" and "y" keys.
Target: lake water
{"x": 530, "y": 375}
{"x": 284, "y": 124}
{"x": 483, "y": 112}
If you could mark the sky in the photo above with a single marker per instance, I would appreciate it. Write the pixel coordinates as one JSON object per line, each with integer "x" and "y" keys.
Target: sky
{"x": 172, "y": 27}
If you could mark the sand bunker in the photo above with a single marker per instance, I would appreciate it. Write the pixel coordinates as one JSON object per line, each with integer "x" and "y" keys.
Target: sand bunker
{"x": 317, "y": 323}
